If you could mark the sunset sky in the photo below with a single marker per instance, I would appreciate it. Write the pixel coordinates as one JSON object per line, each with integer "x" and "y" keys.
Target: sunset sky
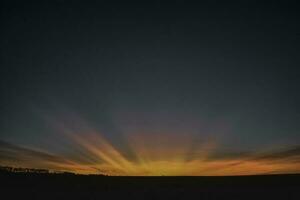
{"x": 150, "y": 88}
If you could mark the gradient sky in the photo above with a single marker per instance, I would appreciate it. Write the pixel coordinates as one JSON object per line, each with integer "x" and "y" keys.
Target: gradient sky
{"x": 150, "y": 80}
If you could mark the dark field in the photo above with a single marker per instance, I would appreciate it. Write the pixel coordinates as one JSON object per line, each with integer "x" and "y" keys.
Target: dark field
{"x": 68, "y": 186}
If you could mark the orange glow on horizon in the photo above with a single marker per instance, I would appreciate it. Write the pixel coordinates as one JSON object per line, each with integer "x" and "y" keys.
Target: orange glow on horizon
{"x": 110, "y": 161}
{"x": 151, "y": 155}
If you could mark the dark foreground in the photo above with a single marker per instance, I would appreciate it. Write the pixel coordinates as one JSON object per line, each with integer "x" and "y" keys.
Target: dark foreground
{"x": 68, "y": 186}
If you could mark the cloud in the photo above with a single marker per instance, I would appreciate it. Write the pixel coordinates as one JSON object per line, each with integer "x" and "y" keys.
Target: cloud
{"x": 15, "y": 153}
{"x": 292, "y": 153}
{"x": 16, "y": 156}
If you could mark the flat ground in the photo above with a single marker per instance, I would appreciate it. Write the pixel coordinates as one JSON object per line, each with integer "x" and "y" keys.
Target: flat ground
{"x": 65, "y": 186}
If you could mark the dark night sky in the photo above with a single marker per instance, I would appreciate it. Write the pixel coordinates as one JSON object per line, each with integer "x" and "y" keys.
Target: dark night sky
{"x": 229, "y": 71}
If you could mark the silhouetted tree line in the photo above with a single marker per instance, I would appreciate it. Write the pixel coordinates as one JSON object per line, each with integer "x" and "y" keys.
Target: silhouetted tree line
{"x": 23, "y": 170}
{"x": 7, "y": 169}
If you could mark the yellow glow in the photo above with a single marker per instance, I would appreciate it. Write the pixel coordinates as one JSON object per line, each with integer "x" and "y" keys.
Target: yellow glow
{"x": 156, "y": 159}
{"x": 153, "y": 155}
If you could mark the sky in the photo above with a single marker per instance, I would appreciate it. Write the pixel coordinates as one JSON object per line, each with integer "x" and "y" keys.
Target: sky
{"x": 150, "y": 88}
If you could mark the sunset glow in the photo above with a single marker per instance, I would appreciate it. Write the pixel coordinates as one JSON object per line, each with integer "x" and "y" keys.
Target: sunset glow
{"x": 165, "y": 155}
